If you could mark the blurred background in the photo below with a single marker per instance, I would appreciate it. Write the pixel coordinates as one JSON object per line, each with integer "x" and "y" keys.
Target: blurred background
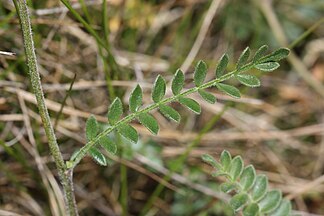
{"x": 279, "y": 128}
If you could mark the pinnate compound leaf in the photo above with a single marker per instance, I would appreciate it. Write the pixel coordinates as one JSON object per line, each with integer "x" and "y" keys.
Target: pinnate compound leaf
{"x": 271, "y": 201}
{"x": 220, "y": 69}
{"x": 243, "y": 58}
{"x": 91, "y": 128}
{"x": 225, "y": 160}
{"x": 268, "y": 66}
{"x": 135, "y": 99}
{"x": 190, "y": 104}
{"x": 210, "y": 160}
{"x": 97, "y": 156}
{"x": 200, "y": 73}
{"x": 277, "y": 55}
{"x": 236, "y": 168}
{"x": 229, "y": 90}
{"x": 115, "y": 111}
{"x": 149, "y": 122}
{"x": 247, "y": 178}
{"x": 177, "y": 82}
{"x": 251, "y": 210}
{"x": 207, "y": 96}
{"x": 260, "y": 187}
{"x": 248, "y": 80}
{"x": 260, "y": 53}
{"x": 238, "y": 201}
{"x": 284, "y": 209}
{"x": 128, "y": 132}
{"x": 170, "y": 113}
{"x": 159, "y": 88}
{"x": 227, "y": 187}
{"x": 109, "y": 145}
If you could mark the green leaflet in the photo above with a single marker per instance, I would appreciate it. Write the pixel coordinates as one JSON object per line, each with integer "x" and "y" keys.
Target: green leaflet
{"x": 251, "y": 210}
{"x": 149, "y": 122}
{"x": 159, "y": 88}
{"x": 248, "y": 178}
{"x": 243, "y": 58}
{"x": 284, "y": 209}
{"x": 207, "y": 96}
{"x": 238, "y": 201}
{"x": 236, "y": 168}
{"x": 268, "y": 66}
{"x": 223, "y": 62}
{"x": 229, "y": 90}
{"x": 190, "y": 104}
{"x": 109, "y": 145}
{"x": 225, "y": 160}
{"x": 177, "y": 82}
{"x": 248, "y": 80}
{"x": 91, "y": 128}
{"x": 97, "y": 156}
{"x": 227, "y": 187}
{"x": 128, "y": 132}
{"x": 277, "y": 55}
{"x": 135, "y": 99}
{"x": 170, "y": 113}
{"x": 260, "y": 53}
{"x": 260, "y": 187}
{"x": 115, "y": 111}
{"x": 210, "y": 160}
{"x": 270, "y": 202}
{"x": 200, "y": 73}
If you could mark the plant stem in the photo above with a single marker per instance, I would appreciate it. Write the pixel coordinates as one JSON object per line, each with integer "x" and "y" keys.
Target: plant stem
{"x": 64, "y": 174}
{"x": 85, "y": 149}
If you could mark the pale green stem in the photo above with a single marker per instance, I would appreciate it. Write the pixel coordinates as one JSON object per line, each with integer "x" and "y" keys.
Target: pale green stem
{"x": 64, "y": 174}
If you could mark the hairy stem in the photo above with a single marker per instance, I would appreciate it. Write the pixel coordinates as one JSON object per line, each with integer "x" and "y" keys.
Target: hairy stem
{"x": 64, "y": 174}
{"x": 83, "y": 151}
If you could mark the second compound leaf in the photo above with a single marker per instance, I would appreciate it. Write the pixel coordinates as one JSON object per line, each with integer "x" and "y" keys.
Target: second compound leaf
{"x": 148, "y": 121}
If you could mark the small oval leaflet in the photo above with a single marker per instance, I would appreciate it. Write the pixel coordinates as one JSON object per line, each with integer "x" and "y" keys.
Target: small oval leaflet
{"x": 236, "y": 167}
{"x": 191, "y": 104}
{"x": 159, "y": 88}
{"x": 260, "y": 187}
{"x": 259, "y": 53}
{"x": 229, "y": 90}
{"x": 210, "y": 160}
{"x": 270, "y": 202}
{"x": 243, "y": 58}
{"x": 177, "y": 82}
{"x": 227, "y": 187}
{"x": 170, "y": 113}
{"x": 277, "y": 55}
{"x": 207, "y": 96}
{"x": 109, "y": 145}
{"x": 268, "y": 66}
{"x": 238, "y": 201}
{"x": 128, "y": 132}
{"x": 97, "y": 156}
{"x": 148, "y": 121}
{"x": 135, "y": 99}
{"x": 247, "y": 178}
{"x": 251, "y": 210}
{"x": 225, "y": 160}
{"x": 284, "y": 209}
{"x": 91, "y": 128}
{"x": 248, "y": 80}
{"x": 223, "y": 62}
{"x": 115, "y": 111}
{"x": 200, "y": 73}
